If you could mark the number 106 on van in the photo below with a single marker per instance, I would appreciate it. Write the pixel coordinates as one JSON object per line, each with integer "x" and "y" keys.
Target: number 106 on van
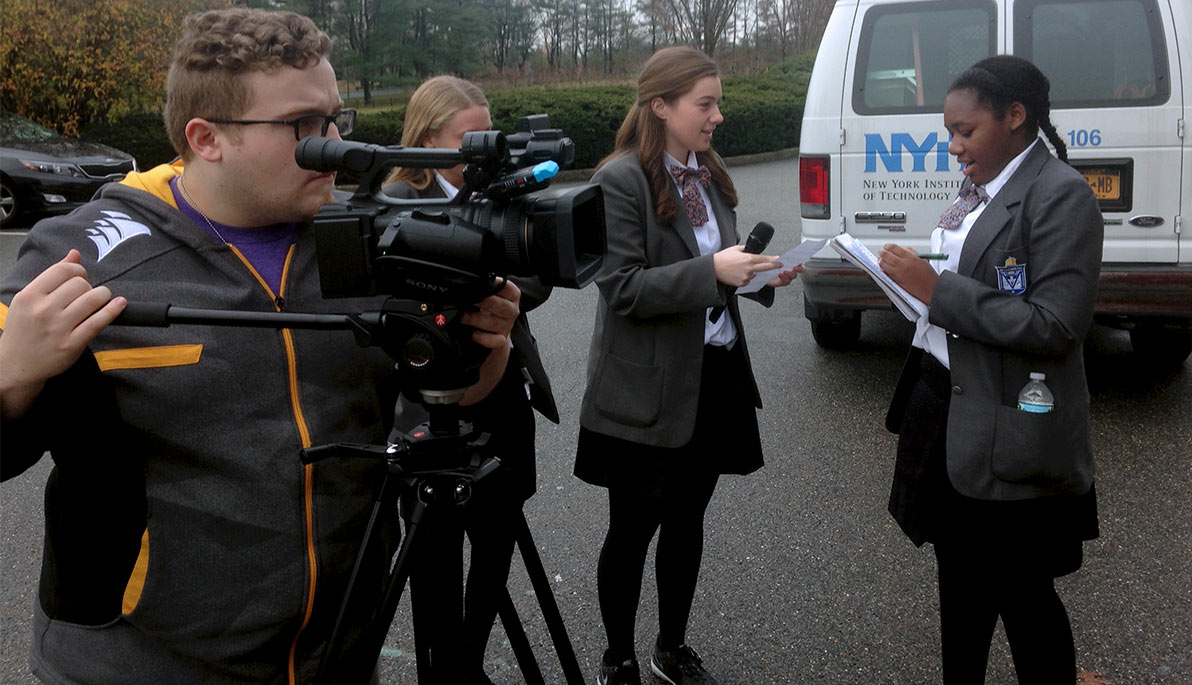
{"x": 1084, "y": 138}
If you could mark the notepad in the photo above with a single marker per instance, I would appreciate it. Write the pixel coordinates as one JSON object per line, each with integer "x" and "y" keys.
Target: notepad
{"x": 854, "y": 251}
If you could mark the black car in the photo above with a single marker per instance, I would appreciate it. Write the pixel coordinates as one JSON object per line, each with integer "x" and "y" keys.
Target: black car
{"x": 42, "y": 172}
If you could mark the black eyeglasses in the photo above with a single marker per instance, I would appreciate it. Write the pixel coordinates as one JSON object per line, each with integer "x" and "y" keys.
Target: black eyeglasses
{"x": 307, "y": 126}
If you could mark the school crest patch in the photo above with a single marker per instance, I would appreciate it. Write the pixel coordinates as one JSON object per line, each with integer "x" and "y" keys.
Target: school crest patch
{"x": 1011, "y": 278}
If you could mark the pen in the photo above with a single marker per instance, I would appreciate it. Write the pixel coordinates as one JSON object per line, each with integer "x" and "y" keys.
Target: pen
{"x": 933, "y": 256}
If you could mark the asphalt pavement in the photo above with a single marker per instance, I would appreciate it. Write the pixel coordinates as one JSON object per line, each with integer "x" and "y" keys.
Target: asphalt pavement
{"x": 806, "y": 579}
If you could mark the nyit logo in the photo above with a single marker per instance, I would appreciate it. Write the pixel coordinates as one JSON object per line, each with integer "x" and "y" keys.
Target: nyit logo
{"x": 109, "y": 232}
{"x": 932, "y": 148}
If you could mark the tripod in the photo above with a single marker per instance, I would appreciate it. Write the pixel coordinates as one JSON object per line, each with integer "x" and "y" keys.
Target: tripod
{"x": 432, "y": 468}
{"x": 432, "y": 472}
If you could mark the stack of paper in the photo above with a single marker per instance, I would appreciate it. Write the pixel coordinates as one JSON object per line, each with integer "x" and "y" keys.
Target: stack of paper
{"x": 854, "y": 251}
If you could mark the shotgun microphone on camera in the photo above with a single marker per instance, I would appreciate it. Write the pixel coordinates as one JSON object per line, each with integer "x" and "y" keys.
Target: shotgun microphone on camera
{"x": 757, "y": 241}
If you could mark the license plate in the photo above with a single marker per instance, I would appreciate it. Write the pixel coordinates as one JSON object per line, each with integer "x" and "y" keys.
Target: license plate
{"x": 1106, "y": 184}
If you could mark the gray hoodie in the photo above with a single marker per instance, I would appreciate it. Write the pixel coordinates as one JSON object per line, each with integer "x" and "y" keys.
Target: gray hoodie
{"x": 186, "y": 541}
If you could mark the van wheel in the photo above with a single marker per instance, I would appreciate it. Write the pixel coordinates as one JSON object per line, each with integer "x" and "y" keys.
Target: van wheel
{"x": 837, "y": 334}
{"x": 1161, "y": 348}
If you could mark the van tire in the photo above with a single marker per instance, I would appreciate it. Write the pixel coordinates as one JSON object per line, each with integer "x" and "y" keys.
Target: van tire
{"x": 837, "y": 334}
{"x": 1161, "y": 348}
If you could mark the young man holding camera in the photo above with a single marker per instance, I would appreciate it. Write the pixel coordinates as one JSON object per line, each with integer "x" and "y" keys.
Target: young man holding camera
{"x": 185, "y": 539}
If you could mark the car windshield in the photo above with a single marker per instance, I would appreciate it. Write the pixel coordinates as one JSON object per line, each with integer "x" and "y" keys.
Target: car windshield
{"x": 19, "y": 129}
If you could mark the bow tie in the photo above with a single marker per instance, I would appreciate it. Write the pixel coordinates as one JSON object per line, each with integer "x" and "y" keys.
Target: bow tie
{"x": 969, "y": 198}
{"x": 687, "y": 178}
{"x": 684, "y": 174}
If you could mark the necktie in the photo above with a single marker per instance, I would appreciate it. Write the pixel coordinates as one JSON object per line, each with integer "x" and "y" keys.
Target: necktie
{"x": 970, "y": 196}
{"x": 687, "y": 178}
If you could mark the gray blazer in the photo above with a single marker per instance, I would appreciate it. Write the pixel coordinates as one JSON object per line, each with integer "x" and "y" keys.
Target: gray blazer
{"x": 648, "y": 343}
{"x": 1046, "y": 220}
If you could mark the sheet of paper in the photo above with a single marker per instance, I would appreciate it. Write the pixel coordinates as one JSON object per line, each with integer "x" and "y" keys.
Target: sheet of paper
{"x": 792, "y": 257}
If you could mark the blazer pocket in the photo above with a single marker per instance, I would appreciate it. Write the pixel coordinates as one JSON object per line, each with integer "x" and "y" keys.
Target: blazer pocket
{"x": 629, "y": 393}
{"x": 1032, "y": 448}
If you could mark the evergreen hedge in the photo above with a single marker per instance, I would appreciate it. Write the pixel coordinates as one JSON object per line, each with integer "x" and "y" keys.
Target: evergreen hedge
{"x": 762, "y": 113}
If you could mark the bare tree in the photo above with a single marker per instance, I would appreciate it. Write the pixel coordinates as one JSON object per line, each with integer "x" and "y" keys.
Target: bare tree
{"x": 361, "y": 23}
{"x": 810, "y": 19}
{"x": 556, "y": 18}
{"x": 613, "y": 29}
{"x": 700, "y": 22}
{"x": 510, "y": 38}
{"x": 780, "y": 15}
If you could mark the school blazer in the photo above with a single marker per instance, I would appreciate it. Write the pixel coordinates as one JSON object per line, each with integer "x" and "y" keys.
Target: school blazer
{"x": 648, "y": 340}
{"x": 525, "y": 347}
{"x": 1021, "y": 301}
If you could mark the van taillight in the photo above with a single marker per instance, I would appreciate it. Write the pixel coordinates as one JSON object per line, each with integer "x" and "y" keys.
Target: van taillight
{"x": 813, "y": 188}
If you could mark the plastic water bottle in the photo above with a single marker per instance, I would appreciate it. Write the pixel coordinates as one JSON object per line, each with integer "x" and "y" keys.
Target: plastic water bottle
{"x": 1036, "y": 397}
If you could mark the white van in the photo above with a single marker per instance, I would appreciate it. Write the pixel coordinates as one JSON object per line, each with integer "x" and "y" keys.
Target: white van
{"x": 873, "y": 156}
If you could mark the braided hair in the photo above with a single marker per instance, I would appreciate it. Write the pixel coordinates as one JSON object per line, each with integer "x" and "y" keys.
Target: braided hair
{"x": 1001, "y": 80}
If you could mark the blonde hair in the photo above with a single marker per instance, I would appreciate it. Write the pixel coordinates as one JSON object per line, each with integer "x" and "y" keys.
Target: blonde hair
{"x": 430, "y": 109}
{"x": 669, "y": 74}
{"x": 217, "y": 47}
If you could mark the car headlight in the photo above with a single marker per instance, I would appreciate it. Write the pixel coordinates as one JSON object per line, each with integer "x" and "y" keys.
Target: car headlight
{"x": 53, "y": 168}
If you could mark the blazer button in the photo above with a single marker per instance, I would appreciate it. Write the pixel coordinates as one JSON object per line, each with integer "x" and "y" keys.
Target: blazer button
{"x": 957, "y": 390}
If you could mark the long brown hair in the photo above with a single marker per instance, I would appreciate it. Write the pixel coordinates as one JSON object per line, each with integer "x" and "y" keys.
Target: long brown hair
{"x": 430, "y": 109}
{"x": 669, "y": 74}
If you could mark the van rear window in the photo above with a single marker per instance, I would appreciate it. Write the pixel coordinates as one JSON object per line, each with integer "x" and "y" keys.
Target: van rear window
{"x": 910, "y": 53}
{"x": 1096, "y": 53}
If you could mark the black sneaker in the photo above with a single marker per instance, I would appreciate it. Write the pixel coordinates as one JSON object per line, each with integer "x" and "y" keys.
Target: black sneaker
{"x": 680, "y": 666}
{"x": 625, "y": 673}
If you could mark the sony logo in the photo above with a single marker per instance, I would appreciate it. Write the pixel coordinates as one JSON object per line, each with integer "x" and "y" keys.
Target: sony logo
{"x": 423, "y": 285}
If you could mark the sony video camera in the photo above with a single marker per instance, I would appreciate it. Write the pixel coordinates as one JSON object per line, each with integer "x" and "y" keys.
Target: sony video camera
{"x": 436, "y": 258}
{"x": 501, "y": 223}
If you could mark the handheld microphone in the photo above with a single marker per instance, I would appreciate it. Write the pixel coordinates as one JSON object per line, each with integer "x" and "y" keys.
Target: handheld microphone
{"x": 757, "y": 241}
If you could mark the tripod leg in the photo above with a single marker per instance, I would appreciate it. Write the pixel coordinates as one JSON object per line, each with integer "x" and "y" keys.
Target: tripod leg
{"x": 518, "y": 640}
{"x": 436, "y": 593}
{"x": 422, "y": 640}
{"x": 330, "y": 668}
{"x": 546, "y": 600}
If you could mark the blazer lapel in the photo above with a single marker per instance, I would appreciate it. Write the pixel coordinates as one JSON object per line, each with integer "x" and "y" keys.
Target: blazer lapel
{"x": 724, "y": 218}
{"x": 996, "y": 216}
{"x": 681, "y": 223}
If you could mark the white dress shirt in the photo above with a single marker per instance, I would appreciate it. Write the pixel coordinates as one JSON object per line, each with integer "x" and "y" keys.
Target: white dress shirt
{"x": 722, "y": 333}
{"x": 928, "y": 336}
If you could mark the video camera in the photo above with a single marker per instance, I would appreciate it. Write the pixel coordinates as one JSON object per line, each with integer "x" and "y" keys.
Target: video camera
{"x": 436, "y": 258}
{"x": 449, "y": 251}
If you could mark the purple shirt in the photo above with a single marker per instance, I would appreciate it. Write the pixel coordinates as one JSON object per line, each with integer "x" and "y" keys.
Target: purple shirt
{"x": 265, "y": 247}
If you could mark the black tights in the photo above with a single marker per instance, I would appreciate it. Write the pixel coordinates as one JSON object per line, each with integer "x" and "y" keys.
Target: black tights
{"x": 634, "y": 517}
{"x": 974, "y": 591}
